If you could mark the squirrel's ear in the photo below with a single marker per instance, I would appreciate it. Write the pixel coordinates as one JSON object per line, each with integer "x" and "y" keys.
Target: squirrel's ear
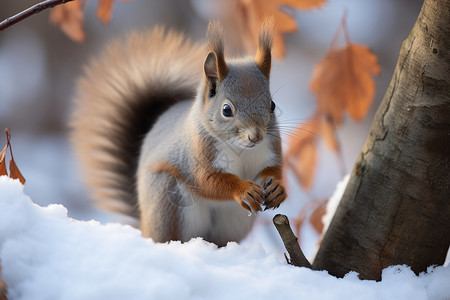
{"x": 215, "y": 43}
{"x": 265, "y": 41}
{"x": 210, "y": 67}
{"x": 211, "y": 73}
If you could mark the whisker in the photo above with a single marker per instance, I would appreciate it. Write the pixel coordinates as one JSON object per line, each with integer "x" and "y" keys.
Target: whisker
{"x": 298, "y": 136}
{"x": 293, "y": 120}
{"x": 283, "y": 85}
{"x": 298, "y": 124}
{"x": 290, "y": 130}
{"x": 278, "y": 137}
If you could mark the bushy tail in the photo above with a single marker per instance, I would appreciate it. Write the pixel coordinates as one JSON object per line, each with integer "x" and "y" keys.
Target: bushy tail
{"x": 119, "y": 98}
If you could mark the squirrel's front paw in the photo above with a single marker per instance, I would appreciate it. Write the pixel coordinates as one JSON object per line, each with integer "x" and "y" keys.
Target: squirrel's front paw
{"x": 250, "y": 194}
{"x": 274, "y": 192}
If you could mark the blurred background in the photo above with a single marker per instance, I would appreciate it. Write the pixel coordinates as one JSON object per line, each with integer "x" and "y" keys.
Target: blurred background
{"x": 39, "y": 65}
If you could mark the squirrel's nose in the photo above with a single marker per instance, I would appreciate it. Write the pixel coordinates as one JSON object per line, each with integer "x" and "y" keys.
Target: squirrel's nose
{"x": 256, "y": 138}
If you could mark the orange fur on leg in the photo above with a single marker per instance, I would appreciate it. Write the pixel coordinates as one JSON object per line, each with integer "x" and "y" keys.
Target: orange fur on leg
{"x": 275, "y": 171}
{"x": 214, "y": 185}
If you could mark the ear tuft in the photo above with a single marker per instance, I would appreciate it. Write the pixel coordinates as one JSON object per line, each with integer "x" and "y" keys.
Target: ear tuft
{"x": 265, "y": 42}
{"x": 215, "y": 44}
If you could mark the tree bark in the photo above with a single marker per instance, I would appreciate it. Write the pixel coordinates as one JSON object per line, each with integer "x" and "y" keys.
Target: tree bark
{"x": 395, "y": 209}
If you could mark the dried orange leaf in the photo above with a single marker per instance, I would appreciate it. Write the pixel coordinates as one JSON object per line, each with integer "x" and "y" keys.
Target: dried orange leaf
{"x": 365, "y": 65}
{"x": 3, "y": 161}
{"x": 298, "y": 223}
{"x": 316, "y": 216}
{"x": 303, "y": 134}
{"x": 327, "y": 132}
{"x": 304, "y": 4}
{"x": 69, "y": 17}
{"x": 104, "y": 11}
{"x": 2, "y": 285}
{"x": 14, "y": 171}
{"x": 303, "y": 165}
{"x": 251, "y": 13}
{"x": 306, "y": 164}
{"x": 301, "y": 156}
{"x": 300, "y": 219}
{"x": 313, "y": 210}
{"x": 342, "y": 81}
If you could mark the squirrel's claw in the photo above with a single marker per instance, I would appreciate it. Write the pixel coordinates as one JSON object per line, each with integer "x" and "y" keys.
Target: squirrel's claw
{"x": 267, "y": 182}
{"x": 244, "y": 205}
{"x": 274, "y": 193}
{"x": 252, "y": 196}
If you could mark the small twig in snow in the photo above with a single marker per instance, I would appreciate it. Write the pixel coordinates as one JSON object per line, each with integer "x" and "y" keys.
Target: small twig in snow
{"x": 290, "y": 241}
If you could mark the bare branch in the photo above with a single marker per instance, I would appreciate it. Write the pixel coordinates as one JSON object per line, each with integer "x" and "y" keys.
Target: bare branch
{"x": 290, "y": 241}
{"x": 30, "y": 11}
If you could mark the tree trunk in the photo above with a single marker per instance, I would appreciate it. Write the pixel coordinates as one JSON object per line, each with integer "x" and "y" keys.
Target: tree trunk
{"x": 395, "y": 209}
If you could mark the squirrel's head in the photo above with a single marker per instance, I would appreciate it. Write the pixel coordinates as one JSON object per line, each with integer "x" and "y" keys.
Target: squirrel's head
{"x": 238, "y": 106}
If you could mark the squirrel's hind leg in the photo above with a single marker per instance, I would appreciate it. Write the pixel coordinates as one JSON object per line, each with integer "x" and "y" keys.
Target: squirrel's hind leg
{"x": 159, "y": 202}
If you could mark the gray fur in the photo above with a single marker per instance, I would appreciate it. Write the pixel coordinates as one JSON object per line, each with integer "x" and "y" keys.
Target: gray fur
{"x": 247, "y": 89}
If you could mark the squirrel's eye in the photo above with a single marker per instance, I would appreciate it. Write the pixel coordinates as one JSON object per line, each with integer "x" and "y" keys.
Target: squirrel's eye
{"x": 272, "y": 106}
{"x": 227, "y": 111}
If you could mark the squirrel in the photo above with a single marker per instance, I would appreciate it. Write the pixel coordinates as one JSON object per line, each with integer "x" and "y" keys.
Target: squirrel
{"x": 187, "y": 145}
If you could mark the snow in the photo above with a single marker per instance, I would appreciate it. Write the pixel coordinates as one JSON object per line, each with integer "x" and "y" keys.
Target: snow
{"x": 46, "y": 255}
{"x": 333, "y": 202}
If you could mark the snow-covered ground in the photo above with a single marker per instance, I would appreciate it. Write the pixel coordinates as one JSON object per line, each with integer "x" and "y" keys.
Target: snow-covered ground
{"x": 46, "y": 255}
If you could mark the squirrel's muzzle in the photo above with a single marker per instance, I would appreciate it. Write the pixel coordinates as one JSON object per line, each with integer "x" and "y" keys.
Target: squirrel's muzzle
{"x": 255, "y": 135}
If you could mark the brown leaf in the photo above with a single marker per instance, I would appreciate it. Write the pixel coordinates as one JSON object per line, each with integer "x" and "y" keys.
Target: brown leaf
{"x": 3, "y": 162}
{"x": 365, "y": 65}
{"x": 300, "y": 219}
{"x": 303, "y": 4}
{"x": 251, "y": 13}
{"x": 315, "y": 219}
{"x": 104, "y": 11}
{"x": 313, "y": 211}
{"x": 69, "y": 17}
{"x": 298, "y": 223}
{"x": 301, "y": 156}
{"x": 2, "y": 285}
{"x": 306, "y": 164}
{"x": 13, "y": 169}
{"x": 328, "y": 133}
{"x": 342, "y": 81}
{"x": 304, "y": 133}
{"x": 14, "y": 172}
